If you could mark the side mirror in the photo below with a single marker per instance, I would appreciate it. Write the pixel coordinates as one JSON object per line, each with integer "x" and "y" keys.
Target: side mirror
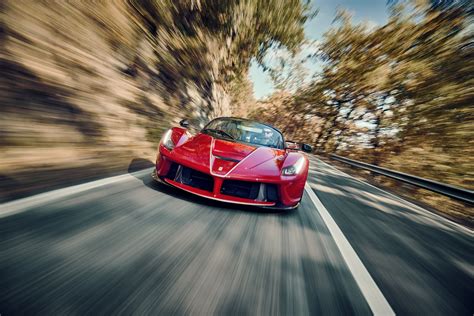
{"x": 307, "y": 148}
{"x": 184, "y": 123}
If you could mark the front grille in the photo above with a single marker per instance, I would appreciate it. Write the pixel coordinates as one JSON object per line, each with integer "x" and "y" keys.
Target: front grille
{"x": 250, "y": 190}
{"x": 190, "y": 177}
{"x": 242, "y": 189}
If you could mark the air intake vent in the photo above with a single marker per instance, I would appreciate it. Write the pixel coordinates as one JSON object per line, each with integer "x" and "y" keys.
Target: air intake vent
{"x": 242, "y": 189}
{"x": 272, "y": 193}
{"x": 190, "y": 177}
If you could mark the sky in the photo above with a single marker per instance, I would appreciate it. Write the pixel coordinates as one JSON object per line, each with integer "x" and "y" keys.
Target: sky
{"x": 373, "y": 11}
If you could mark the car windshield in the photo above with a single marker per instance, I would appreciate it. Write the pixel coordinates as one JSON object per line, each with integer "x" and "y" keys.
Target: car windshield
{"x": 245, "y": 131}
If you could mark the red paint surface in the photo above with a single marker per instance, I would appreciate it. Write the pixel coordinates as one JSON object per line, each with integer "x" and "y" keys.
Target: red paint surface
{"x": 252, "y": 163}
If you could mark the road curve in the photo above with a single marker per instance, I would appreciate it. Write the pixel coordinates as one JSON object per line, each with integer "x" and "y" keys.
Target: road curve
{"x": 133, "y": 246}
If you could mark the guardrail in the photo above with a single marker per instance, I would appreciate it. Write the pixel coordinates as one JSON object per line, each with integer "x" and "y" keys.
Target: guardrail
{"x": 438, "y": 187}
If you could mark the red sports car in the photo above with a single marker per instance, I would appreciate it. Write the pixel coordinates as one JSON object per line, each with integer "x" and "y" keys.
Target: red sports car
{"x": 234, "y": 160}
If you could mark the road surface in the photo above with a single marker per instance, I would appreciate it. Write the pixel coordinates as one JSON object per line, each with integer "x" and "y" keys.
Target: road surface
{"x": 127, "y": 245}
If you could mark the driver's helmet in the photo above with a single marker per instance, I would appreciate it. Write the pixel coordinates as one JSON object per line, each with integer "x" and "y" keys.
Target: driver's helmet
{"x": 268, "y": 135}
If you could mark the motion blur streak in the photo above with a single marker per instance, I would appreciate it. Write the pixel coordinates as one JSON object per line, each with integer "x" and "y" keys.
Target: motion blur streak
{"x": 397, "y": 94}
{"x": 87, "y": 90}
{"x": 377, "y": 302}
{"x": 137, "y": 247}
{"x": 24, "y": 204}
{"x": 86, "y": 87}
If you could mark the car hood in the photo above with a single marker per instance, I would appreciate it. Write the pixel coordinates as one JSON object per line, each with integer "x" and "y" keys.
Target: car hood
{"x": 223, "y": 157}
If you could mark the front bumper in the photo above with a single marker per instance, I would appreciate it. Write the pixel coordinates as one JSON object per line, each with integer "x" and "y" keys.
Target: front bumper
{"x": 266, "y": 194}
{"x": 222, "y": 198}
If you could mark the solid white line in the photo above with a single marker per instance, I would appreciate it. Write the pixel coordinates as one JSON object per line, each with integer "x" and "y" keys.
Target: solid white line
{"x": 374, "y": 297}
{"x": 18, "y": 206}
{"x": 415, "y": 207}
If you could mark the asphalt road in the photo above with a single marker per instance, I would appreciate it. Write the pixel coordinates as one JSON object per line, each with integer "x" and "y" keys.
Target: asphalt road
{"x": 131, "y": 246}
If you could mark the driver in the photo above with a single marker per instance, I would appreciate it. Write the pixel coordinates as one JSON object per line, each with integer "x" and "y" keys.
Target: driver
{"x": 267, "y": 137}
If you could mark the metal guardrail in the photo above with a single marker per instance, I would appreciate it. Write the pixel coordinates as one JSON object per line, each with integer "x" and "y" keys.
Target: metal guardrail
{"x": 438, "y": 187}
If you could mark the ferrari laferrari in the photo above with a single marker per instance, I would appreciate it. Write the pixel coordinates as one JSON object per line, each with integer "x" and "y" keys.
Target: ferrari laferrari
{"x": 234, "y": 160}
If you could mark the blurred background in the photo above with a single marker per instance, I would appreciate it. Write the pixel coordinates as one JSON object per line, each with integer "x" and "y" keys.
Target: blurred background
{"x": 85, "y": 89}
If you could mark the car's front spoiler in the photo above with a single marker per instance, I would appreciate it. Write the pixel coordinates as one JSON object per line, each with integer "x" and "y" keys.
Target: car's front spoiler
{"x": 220, "y": 197}
{"x": 171, "y": 183}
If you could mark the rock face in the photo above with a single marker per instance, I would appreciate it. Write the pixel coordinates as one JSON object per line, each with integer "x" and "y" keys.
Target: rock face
{"x": 86, "y": 85}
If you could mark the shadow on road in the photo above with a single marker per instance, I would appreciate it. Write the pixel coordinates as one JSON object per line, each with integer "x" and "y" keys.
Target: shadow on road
{"x": 140, "y": 164}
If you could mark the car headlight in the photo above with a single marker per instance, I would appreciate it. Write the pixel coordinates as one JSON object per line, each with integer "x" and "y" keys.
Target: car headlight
{"x": 166, "y": 140}
{"x": 293, "y": 169}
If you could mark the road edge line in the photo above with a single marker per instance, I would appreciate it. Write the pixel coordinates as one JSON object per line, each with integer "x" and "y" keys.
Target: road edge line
{"x": 23, "y": 204}
{"x": 372, "y": 294}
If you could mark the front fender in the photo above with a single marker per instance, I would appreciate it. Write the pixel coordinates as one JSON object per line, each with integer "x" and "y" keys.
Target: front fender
{"x": 292, "y": 187}
{"x": 178, "y": 136}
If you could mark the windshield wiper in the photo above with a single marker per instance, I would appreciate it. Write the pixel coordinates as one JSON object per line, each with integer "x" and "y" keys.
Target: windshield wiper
{"x": 218, "y": 131}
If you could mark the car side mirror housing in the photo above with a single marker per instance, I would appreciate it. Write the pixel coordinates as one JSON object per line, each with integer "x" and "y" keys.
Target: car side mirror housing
{"x": 306, "y": 148}
{"x": 184, "y": 123}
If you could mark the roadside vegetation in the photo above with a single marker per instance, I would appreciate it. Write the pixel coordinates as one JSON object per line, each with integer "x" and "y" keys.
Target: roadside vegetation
{"x": 87, "y": 88}
{"x": 399, "y": 95}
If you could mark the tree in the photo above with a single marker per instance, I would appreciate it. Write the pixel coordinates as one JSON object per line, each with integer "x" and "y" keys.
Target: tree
{"x": 399, "y": 91}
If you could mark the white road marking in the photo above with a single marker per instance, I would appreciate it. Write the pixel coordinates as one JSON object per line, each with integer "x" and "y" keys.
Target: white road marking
{"x": 416, "y": 208}
{"x": 20, "y": 205}
{"x": 374, "y": 297}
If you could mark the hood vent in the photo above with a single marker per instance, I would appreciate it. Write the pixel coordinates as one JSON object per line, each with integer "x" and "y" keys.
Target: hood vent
{"x": 227, "y": 159}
